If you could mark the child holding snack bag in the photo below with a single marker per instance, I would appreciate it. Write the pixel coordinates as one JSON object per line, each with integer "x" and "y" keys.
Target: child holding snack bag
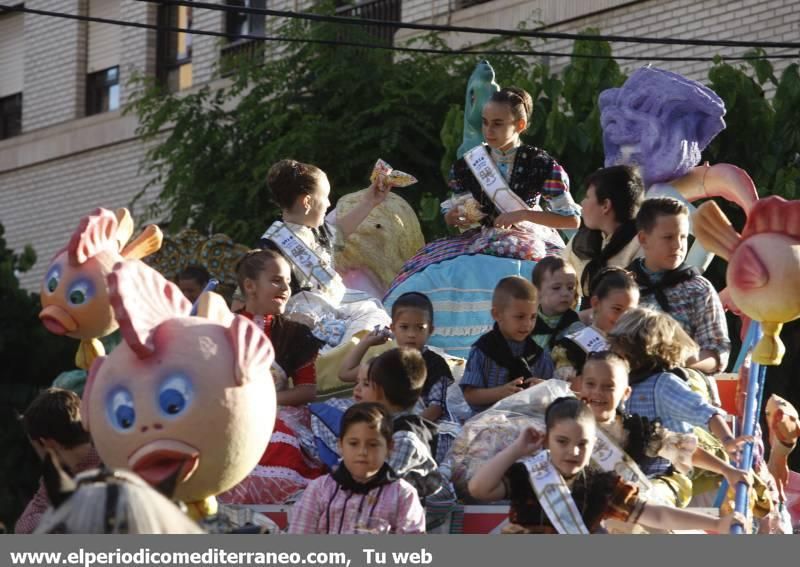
{"x": 509, "y": 199}
{"x": 307, "y": 239}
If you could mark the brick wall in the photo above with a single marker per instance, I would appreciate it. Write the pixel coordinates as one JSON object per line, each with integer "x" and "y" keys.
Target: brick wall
{"x": 768, "y": 20}
{"x": 502, "y": 14}
{"x": 419, "y": 10}
{"x": 42, "y": 204}
{"x": 55, "y": 65}
{"x": 764, "y": 20}
{"x": 293, "y": 5}
{"x": 206, "y": 48}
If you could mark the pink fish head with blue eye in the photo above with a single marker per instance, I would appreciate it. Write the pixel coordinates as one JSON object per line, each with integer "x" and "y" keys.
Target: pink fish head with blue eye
{"x": 184, "y": 400}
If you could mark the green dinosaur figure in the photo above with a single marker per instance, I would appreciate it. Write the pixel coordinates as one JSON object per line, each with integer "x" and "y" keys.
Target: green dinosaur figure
{"x": 480, "y": 87}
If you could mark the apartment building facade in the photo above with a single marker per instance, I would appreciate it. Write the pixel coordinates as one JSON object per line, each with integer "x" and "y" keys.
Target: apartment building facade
{"x": 66, "y": 146}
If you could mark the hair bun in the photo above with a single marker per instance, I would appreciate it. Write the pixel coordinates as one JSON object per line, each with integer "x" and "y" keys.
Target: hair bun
{"x": 289, "y": 179}
{"x": 281, "y": 172}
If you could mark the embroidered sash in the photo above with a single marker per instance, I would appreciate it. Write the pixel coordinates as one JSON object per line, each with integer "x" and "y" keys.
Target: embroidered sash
{"x": 492, "y": 182}
{"x": 302, "y": 257}
{"x": 610, "y": 457}
{"x": 553, "y": 494}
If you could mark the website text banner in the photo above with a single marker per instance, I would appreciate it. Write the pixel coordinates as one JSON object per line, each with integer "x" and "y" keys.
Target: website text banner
{"x": 390, "y": 551}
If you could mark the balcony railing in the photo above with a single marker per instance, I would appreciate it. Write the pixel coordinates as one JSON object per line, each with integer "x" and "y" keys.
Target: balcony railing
{"x": 387, "y": 10}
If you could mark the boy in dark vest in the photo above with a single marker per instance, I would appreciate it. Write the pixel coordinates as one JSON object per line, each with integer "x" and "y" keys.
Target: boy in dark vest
{"x": 557, "y": 288}
{"x": 667, "y": 284}
{"x": 52, "y": 422}
{"x": 506, "y": 360}
{"x": 395, "y": 380}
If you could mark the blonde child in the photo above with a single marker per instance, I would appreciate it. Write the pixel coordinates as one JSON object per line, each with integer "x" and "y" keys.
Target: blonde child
{"x": 557, "y": 286}
{"x": 363, "y": 494}
{"x": 326, "y": 421}
{"x": 656, "y": 346}
{"x": 613, "y": 291}
{"x": 412, "y": 326}
{"x": 506, "y": 360}
{"x": 568, "y": 442}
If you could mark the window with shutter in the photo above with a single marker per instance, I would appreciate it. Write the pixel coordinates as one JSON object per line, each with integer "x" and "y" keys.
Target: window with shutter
{"x": 174, "y": 66}
{"x": 104, "y": 39}
{"x": 12, "y": 53}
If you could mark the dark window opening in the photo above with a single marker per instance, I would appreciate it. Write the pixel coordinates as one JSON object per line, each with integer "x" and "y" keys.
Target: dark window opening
{"x": 461, "y": 4}
{"x": 243, "y": 23}
{"x": 102, "y": 91}
{"x": 10, "y": 116}
{"x": 174, "y": 68}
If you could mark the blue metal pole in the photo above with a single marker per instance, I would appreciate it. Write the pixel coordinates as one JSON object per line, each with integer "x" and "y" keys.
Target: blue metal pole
{"x": 723, "y": 485}
{"x": 747, "y": 345}
{"x": 753, "y": 329}
{"x": 210, "y": 286}
{"x": 750, "y": 418}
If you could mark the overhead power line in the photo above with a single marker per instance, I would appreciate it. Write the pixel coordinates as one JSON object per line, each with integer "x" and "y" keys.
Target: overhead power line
{"x": 350, "y": 20}
{"x": 402, "y": 49}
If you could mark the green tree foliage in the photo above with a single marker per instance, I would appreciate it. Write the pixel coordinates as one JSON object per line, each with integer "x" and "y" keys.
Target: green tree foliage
{"x": 762, "y": 136}
{"x": 30, "y": 358}
{"x": 313, "y": 103}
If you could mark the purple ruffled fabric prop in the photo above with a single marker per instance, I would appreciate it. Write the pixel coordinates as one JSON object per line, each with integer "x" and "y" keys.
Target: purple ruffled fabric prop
{"x": 660, "y": 121}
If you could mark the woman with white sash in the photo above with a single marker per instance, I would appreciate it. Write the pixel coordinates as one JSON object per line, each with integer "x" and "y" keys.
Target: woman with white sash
{"x": 319, "y": 297}
{"x": 552, "y": 489}
{"x": 509, "y": 198}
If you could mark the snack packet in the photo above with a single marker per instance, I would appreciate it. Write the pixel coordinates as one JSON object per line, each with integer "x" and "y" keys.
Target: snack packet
{"x": 394, "y": 178}
{"x": 469, "y": 209}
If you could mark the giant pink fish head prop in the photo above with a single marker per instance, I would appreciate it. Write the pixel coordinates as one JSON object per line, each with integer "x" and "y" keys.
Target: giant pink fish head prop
{"x": 184, "y": 400}
{"x": 763, "y": 265}
{"x": 74, "y": 296}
